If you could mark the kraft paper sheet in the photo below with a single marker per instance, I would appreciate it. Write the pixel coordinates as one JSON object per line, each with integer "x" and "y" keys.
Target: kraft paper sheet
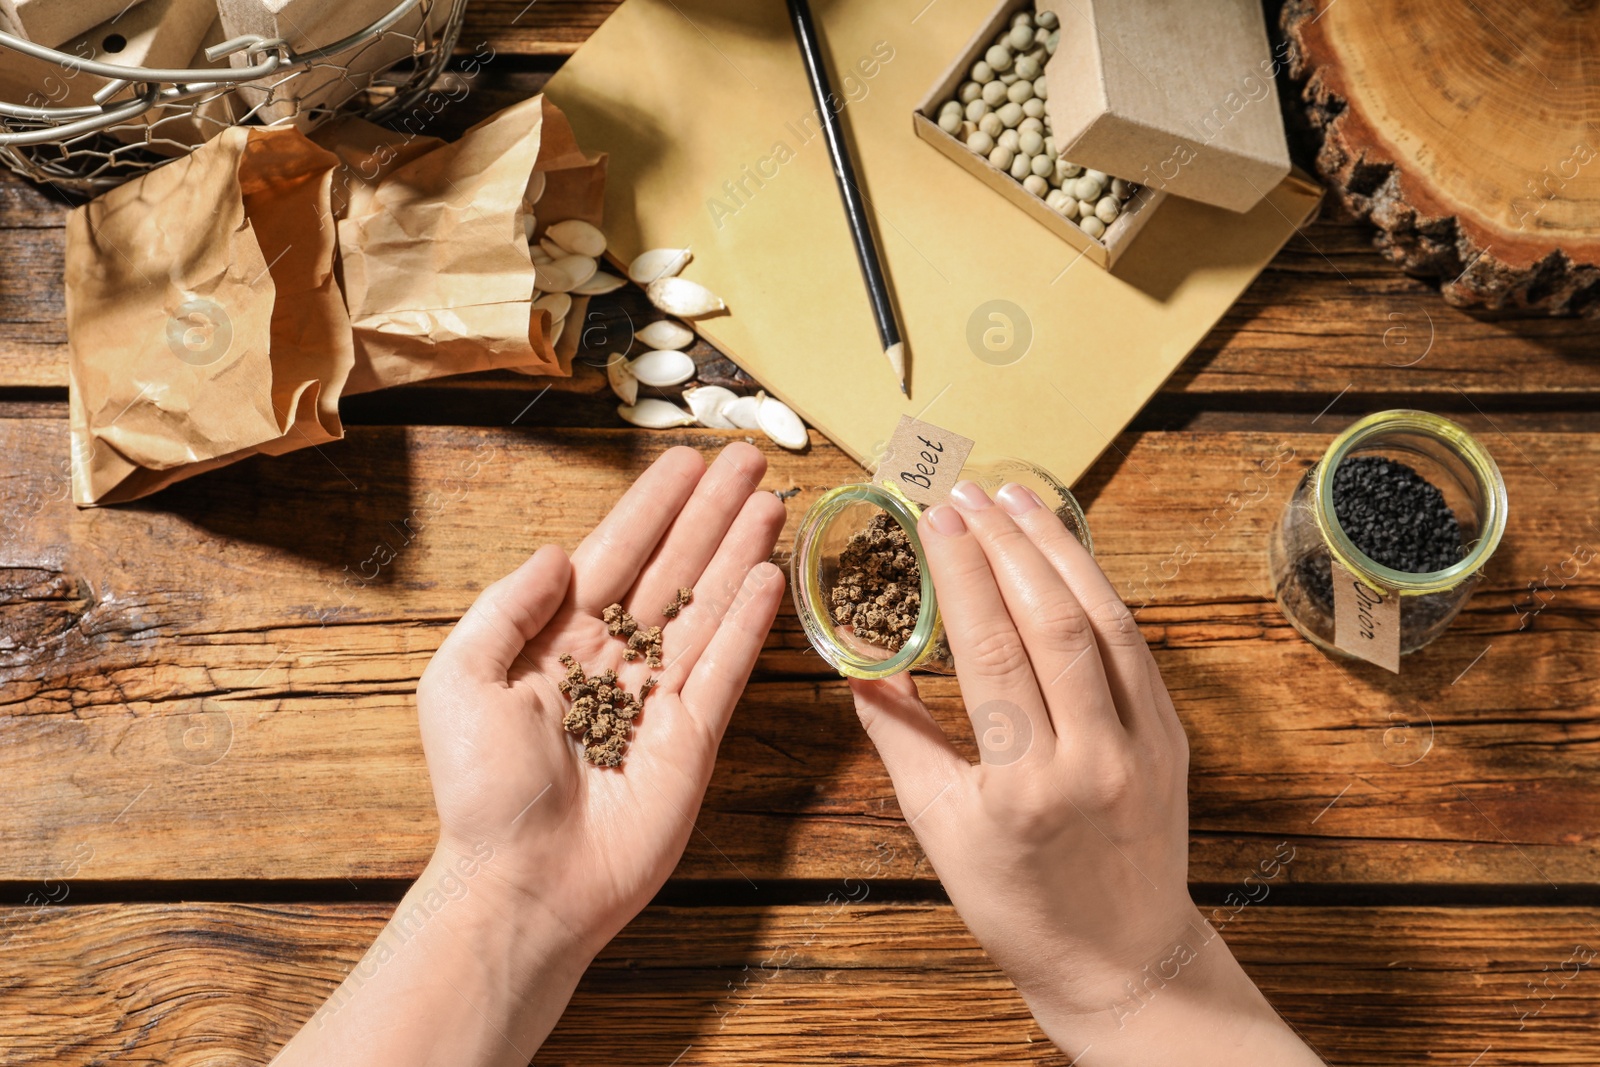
{"x": 704, "y": 108}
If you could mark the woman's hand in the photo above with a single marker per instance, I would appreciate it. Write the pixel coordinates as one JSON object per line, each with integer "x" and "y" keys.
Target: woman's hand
{"x": 541, "y": 859}
{"x": 590, "y": 846}
{"x": 1066, "y": 848}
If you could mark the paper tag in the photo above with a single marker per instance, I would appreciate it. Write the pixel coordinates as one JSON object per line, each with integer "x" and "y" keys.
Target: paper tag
{"x": 923, "y": 460}
{"x": 1365, "y": 623}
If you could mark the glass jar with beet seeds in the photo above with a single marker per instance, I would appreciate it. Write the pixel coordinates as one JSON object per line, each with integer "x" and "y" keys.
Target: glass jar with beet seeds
{"x": 1404, "y": 500}
{"x": 857, "y": 574}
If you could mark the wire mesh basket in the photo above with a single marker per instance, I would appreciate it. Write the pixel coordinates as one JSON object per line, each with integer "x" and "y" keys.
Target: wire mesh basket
{"x": 86, "y": 125}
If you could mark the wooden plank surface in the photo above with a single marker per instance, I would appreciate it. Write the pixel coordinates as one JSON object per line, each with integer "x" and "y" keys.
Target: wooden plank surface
{"x": 178, "y": 657}
{"x": 192, "y": 984}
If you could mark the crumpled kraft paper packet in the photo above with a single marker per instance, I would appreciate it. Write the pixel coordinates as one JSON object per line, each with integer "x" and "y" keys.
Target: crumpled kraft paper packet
{"x": 204, "y": 320}
{"x": 435, "y": 263}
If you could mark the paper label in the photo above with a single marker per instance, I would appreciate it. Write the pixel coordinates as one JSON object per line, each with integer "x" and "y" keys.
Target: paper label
{"x": 1366, "y": 624}
{"x": 923, "y": 460}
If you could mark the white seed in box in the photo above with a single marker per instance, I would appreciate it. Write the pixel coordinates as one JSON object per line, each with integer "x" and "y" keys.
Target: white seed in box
{"x": 982, "y": 73}
{"x": 1040, "y": 36}
{"x": 600, "y": 284}
{"x": 1108, "y": 209}
{"x": 1043, "y": 166}
{"x": 1022, "y": 18}
{"x": 579, "y": 268}
{"x": 1085, "y": 209}
{"x": 1027, "y": 69}
{"x": 1047, "y": 19}
{"x": 998, "y": 58}
{"x": 1030, "y": 124}
{"x": 655, "y": 414}
{"x": 976, "y": 110}
{"x": 1021, "y": 166}
{"x": 663, "y": 367}
{"x": 951, "y": 107}
{"x": 551, "y": 278}
{"x": 1021, "y": 36}
{"x": 1009, "y": 139}
{"x": 620, "y": 377}
{"x": 1020, "y": 92}
{"x": 1001, "y": 156}
{"x": 781, "y": 424}
{"x": 1092, "y": 226}
{"x": 665, "y": 334}
{"x": 991, "y": 125}
{"x": 1036, "y": 185}
{"x": 577, "y": 236}
{"x": 994, "y": 94}
{"x": 1008, "y": 78}
{"x": 1041, "y": 88}
{"x": 1065, "y": 169}
{"x": 1120, "y": 189}
{"x": 950, "y": 124}
{"x": 657, "y": 263}
{"x": 709, "y": 404}
{"x": 970, "y": 91}
{"x": 981, "y": 143}
{"x": 1086, "y": 188}
{"x": 745, "y": 412}
{"x": 1052, "y": 42}
{"x": 683, "y": 298}
{"x": 1062, "y": 204}
{"x": 1098, "y": 175}
{"x": 557, "y": 304}
{"x": 535, "y": 188}
{"x": 1010, "y": 114}
{"x": 1033, "y": 108}
{"x": 1030, "y": 142}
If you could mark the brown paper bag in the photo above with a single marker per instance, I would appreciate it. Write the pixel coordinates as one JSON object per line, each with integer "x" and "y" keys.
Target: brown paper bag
{"x": 204, "y": 320}
{"x": 435, "y": 261}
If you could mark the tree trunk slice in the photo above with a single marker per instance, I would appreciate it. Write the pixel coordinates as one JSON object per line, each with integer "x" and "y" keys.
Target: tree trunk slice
{"x": 1465, "y": 131}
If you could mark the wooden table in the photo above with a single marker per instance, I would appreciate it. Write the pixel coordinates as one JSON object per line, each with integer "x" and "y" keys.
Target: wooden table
{"x": 215, "y": 792}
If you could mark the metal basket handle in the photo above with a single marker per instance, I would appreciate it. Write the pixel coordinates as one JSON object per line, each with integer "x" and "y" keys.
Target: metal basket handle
{"x": 276, "y": 56}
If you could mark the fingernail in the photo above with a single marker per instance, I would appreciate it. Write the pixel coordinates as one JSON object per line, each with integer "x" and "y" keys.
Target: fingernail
{"x": 1017, "y": 499}
{"x": 947, "y": 520}
{"x": 970, "y": 495}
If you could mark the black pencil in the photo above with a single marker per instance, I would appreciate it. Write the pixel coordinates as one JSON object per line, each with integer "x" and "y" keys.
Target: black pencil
{"x": 829, "y": 106}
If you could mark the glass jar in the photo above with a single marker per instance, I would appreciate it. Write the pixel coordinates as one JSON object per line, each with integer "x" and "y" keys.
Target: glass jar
{"x": 1308, "y": 536}
{"x": 826, "y": 529}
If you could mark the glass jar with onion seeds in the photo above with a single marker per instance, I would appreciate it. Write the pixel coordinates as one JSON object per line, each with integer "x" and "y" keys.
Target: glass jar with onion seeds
{"x": 861, "y": 586}
{"x": 1405, "y": 501}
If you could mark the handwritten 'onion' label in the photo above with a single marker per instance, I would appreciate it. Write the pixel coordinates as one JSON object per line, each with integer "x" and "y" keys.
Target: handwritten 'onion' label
{"x": 924, "y": 461}
{"x": 1366, "y": 623}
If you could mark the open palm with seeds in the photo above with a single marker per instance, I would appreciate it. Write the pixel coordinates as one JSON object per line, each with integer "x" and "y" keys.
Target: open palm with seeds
{"x": 592, "y": 844}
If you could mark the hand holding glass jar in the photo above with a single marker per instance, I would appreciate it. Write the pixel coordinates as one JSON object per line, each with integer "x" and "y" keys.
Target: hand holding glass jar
{"x": 1065, "y": 849}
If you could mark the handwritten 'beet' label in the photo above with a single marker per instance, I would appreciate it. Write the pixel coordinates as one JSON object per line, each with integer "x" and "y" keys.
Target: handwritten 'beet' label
{"x": 924, "y": 461}
{"x": 1366, "y": 623}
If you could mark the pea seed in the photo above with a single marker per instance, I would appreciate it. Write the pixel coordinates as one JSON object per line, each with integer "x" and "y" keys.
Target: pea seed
{"x": 1027, "y": 67}
{"x": 1022, "y": 18}
{"x": 994, "y": 94}
{"x": 977, "y": 109}
{"x": 1108, "y": 209}
{"x": 1092, "y": 226}
{"x": 950, "y": 122}
{"x": 1001, "y": 156}
{"x": 1120, "y": 189}
{"x": 1010, "y": 138}
{"x": 1053, "y": 41}
{"x": 1030, "y": 122}
{"x": 1019, "y": 91}
{"x": 1021, "y": 37}
{"x": 1041, "y": 87}
{"x": 1085, "y": 209}
{"x": 1087, "y": 189}
{"x": 1062, "y": 204}
{"x": 1008, "y": 79}
{"x": 971, "y": 91}
{"x": 1033, "y": 107}
{"x": 1030, "y": 142}
{"x": 1021, "y": 166}
{"x": 1043, "y": 166}
{"x": 981, "y": 143}
{"x": 998, "y": 58}
{"x": 1010, "y": 114}
{"x": 1047, "y": 19}
{"x": 991, "y": 124}
{"x": 1036, "y": 185}
{"x": 1098, "y": 175}
{"x": 982, "y": 72}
